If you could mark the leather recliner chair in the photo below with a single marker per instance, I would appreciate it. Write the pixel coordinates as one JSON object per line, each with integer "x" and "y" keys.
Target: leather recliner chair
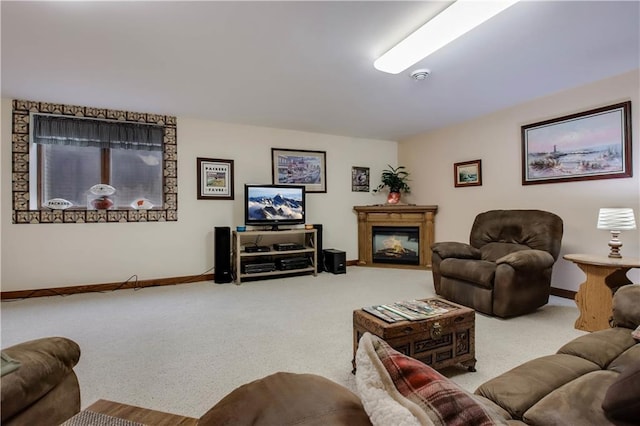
{"x": 505, "y": 270}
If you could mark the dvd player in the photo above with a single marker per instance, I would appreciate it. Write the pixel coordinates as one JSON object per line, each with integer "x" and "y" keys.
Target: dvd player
{"x": 254, "y": 268}
{"x": 292, "y": 263}
{"x": 287, "y": 246}
{"x": 256, "y": 249}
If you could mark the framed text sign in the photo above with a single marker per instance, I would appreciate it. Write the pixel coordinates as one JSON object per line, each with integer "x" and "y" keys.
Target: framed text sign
{"x": 215, "y": 179}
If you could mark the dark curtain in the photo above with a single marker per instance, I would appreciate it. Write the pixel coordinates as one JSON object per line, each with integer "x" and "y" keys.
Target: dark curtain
{"x": 59, "y": 130}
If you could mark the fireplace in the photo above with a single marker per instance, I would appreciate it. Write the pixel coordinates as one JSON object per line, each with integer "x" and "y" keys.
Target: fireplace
{"x": 395, "y": 236}
{"x": 396, "y": 244}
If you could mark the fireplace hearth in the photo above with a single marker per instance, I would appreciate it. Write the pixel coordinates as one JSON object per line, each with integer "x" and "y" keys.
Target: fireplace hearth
{"x": 396, "y": 244}
{"x": 395, "y": 236}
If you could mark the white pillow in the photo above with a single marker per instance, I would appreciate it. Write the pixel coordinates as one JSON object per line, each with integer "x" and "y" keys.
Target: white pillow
{"x": 380, "y": 398}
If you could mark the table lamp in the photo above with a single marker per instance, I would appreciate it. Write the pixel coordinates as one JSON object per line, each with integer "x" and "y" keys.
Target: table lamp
{"x": 616, "y": 220}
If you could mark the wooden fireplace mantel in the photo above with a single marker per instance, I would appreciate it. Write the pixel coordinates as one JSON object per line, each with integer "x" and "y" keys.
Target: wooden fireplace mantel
{"x": 422, "y": 217}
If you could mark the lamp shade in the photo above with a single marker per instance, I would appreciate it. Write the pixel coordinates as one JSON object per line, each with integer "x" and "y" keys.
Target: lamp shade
{"x": 617, "y": 219}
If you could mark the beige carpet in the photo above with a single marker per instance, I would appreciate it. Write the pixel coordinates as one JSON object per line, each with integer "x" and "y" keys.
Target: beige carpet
{"x": 182, "y": 348}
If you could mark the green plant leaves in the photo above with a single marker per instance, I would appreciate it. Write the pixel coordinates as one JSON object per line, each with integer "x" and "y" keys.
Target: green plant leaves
{"x": 394, "y": 178}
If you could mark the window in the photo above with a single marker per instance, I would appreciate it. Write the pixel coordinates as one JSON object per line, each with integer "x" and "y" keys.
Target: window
{"x": 74, "y": 154}
{"x": 61, "y": 151}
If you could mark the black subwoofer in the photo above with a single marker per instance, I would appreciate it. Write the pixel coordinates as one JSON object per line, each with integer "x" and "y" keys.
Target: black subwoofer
{"x": 335, "y": 261}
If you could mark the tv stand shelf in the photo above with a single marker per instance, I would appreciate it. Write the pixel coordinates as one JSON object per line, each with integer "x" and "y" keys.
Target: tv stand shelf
{"x": 241, "y": 258}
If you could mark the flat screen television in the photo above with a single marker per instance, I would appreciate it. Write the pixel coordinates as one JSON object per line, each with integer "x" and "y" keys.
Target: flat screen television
{"x": 274, "y": 205}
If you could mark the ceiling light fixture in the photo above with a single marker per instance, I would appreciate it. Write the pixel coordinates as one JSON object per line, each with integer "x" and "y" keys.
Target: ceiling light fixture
{"x": 459, "y": 18}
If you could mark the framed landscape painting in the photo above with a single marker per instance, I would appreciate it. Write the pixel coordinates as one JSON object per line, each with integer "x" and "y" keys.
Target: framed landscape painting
{"x": 300, "y": 167}
{"x": 467, "y": 173}
{"x": 594, "y": 144}
{"x": 215, "y": 179}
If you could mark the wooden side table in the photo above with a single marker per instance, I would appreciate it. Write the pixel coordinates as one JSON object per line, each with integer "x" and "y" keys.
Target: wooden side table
{"x": 594, "y": 298}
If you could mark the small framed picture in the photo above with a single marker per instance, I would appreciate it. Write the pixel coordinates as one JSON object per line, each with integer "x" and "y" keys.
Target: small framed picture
{"x": 359, "y": 179}
{"x": 467, "y": 173}
{"x": 215, "y": 179}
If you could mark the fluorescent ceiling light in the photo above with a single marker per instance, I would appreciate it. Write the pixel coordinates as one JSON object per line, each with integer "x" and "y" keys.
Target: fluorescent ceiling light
{"x": 459, "y": 18}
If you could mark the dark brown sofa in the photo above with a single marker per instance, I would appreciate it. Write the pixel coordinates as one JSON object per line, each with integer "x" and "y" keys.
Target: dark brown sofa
{"x": 505, "y": 270}
{"x": 44, "y": 389}
{"x": 593, "y": 380}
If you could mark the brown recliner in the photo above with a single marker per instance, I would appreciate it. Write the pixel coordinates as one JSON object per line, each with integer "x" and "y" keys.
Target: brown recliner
{"x": 505, "y": 270}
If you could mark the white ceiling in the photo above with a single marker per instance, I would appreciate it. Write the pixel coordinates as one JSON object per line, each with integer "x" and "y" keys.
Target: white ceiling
{"x": 306, "y": 65}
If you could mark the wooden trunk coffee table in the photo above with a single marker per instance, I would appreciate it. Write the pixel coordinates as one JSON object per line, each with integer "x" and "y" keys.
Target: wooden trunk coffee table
{"x": 440, "y": 341}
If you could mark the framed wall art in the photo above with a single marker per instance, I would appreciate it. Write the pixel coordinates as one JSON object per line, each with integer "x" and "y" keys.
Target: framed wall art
{"x": 359, "y": 179}
{"x": 594, "y": 144}
{"x": 300, "y": 167}
{"x": 215, "y": 179}
{"x": 467, "y": 173}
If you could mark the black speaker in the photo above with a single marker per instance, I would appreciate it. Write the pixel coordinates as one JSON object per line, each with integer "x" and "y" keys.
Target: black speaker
{"x": 319, "y": 251}
{"x": 335, "y": 261}
{"x": 222, "y": 254}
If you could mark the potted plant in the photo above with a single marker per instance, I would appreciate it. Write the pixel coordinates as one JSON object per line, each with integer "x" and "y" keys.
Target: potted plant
{"x": 396, "y": 180}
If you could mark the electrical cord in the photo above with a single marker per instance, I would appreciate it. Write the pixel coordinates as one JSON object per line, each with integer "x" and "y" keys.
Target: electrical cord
{"x": 196, "y": 278}
{"x": 32, "y": 292}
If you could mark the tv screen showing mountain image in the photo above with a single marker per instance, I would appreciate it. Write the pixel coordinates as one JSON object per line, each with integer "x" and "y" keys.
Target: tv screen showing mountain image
{"x": 273, "y": 205}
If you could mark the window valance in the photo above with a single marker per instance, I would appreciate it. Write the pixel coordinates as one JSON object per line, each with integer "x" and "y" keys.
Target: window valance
{"x": 60, "y": 130}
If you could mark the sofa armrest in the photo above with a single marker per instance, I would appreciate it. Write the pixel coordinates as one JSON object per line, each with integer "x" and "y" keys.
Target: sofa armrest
{"x": 455, "y": 249}
{"x": 621, "y": 401}
{"x": 44, "y": 363}
{"x": 528, "y": 259}
{"x": 626, "y": 306}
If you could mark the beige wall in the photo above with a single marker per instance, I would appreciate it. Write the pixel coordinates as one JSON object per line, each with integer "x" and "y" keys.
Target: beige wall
{"x": 54, "y": 255}
{"x": 495, "y": 139}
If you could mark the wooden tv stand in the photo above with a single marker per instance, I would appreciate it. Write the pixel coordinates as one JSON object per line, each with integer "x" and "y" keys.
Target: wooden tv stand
{"x": 240, "y": 258}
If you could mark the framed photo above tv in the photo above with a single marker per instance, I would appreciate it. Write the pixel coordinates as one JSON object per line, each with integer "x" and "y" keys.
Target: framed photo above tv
{"x": 594, "y": 144}
{"x": 467, "y": 173}
{"x": 299, "y": 167}
{"x": 215, "y": 179}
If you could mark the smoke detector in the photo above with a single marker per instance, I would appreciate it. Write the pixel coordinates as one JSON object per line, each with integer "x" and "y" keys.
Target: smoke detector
{"x": 420, "y": 74}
